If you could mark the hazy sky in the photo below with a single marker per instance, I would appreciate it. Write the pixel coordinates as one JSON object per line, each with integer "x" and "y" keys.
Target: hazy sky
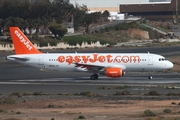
{"x": 108, "y": 3}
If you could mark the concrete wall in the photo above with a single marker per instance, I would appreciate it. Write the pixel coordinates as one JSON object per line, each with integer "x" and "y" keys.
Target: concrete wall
{"x": 110, "y": 9}
{"x": 175, "y": 28}
{"x": 70, "y": 30}
{"x": 10, "y": 47}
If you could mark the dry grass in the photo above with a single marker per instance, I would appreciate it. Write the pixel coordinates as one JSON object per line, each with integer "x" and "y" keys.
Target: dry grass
{"x": 92, "y": 109}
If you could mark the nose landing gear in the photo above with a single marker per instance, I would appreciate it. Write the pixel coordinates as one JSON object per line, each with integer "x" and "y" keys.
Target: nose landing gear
{"x": 150, "y": 76}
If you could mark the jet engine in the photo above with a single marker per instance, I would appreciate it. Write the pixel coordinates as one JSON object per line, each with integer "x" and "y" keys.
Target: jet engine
{"x": 113, "y": 72}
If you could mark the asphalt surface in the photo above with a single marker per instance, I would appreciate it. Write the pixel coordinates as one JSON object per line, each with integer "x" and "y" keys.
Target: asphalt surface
{"x": 20, "y": 78}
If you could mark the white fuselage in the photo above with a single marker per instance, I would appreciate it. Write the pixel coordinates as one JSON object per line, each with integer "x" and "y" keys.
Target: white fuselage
{"x": 134, "y": 62}
{"x": 109, "y": 64}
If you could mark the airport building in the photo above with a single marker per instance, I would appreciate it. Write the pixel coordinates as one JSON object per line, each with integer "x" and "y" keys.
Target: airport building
{"x": 110, "y": 5}
{"x": 164, "y": 11}
{"x": 150, "y": 9}
{"x": 159, "y": 0}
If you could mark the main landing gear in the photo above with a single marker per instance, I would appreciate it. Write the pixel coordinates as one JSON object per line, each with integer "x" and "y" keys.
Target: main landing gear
{"x": 94, "y": 77}
{"x": 150, "y": 76}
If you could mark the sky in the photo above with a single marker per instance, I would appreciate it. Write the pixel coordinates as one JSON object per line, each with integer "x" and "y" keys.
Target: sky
{"x": 108, "y": 3}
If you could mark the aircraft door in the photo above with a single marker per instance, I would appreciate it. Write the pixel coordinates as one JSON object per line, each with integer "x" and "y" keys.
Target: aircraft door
{"x": 150, "y": 59}
{"x": 40, "y": 60}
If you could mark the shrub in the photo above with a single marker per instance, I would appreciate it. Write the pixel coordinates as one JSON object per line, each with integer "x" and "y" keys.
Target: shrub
{"x": 76, "y": 94}
{"x": 117, "y": 27}
{"x": 122, "y": 87}
{"x": 43, "y": 44}
{"x": 109, "y": 46}
{"x": 148, "y": 113}
{"x": 96, "y": 31}
{"x": 53, "y": 43}
{"x": 118, "y": 93}
{"x": 102, "y": 30}
{"x": 89, "y": 94}
{"x": 81, "y": 117}
{"x": 13, "y": 119}
{"x": 153, "y": 93}
{"x": 107, "y": 29}
{"x": 148, "y": 119}
{"x": 133, "y": 24}
{"x": 37, "y": 93}
{"x": 173, "y": 103}
{"x": 1, "y": 111}
{"x": 167, "y": 111}
{"x": 74, "y": 40}
{"x": 15, "y": 93}
{"x": 50, "y": 106}
{"x": 170, "y": 94}
{"x": 101, "y": 88}
{"x": 27, "y": 94}
{"x": 18, "y": 112}
{"x": 36, "y": 37}
{"x": 124, "y": 26}
{"x": 126, "y": 92}
{"x": 85, "y": 93}
{"x": 52, "y": 119}
{"x": 7, "y": 100}
{"x": 24, "y": 101}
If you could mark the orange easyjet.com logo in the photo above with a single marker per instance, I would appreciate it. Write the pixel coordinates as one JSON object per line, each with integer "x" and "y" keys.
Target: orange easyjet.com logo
{"x": 99, "y": 58}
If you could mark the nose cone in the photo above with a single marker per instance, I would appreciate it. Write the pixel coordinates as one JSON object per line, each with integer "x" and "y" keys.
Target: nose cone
{"x": 170, "y": 65}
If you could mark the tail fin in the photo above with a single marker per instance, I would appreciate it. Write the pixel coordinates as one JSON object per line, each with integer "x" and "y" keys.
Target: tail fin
{"x": 22, "y": 44}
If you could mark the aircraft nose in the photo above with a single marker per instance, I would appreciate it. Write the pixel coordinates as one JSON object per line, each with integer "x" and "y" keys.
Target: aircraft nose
{"x": 170, "y": 65}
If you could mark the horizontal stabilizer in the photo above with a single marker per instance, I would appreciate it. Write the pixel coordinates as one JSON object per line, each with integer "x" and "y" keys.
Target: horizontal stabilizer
{"x": 18, "y": 58}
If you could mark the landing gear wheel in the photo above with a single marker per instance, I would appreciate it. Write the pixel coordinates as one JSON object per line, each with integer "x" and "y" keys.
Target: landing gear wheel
{"x": 94, "y": 77}
{"x": 150, "y": 77}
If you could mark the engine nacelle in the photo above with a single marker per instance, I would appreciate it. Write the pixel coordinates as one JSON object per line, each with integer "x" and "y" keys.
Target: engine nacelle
{"x": 113, "y": 72}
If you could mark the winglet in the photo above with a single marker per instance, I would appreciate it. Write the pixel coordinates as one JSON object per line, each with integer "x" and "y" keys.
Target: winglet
{"x": 22, "y": 44}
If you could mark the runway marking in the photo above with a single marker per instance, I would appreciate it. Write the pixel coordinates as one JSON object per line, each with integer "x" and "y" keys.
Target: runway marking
{"x": 103, "y": 80}
{"x": 13, "y": 83}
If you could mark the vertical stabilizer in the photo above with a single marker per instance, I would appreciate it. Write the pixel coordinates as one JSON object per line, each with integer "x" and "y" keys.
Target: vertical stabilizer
{"x": 22, "y": 44}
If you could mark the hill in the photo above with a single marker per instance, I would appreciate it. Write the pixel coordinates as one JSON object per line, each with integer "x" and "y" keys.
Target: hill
{"x": 123, "y": 32}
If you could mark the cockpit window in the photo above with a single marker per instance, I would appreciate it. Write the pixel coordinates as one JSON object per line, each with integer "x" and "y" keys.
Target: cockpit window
{"x": 162, "y": 59}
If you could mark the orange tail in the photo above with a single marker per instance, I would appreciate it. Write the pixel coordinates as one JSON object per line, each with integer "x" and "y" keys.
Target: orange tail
{"x": 22, "y": 44}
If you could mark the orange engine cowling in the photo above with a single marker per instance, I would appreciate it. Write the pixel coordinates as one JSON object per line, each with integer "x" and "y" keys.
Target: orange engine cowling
{"x": 114, "y": 72}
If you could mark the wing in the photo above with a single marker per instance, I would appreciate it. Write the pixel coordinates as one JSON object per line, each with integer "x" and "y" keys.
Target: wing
{"x": 97, "y": 67}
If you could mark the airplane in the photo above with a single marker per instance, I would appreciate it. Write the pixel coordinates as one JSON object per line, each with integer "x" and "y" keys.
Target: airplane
{"x": 112, "y": 65}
